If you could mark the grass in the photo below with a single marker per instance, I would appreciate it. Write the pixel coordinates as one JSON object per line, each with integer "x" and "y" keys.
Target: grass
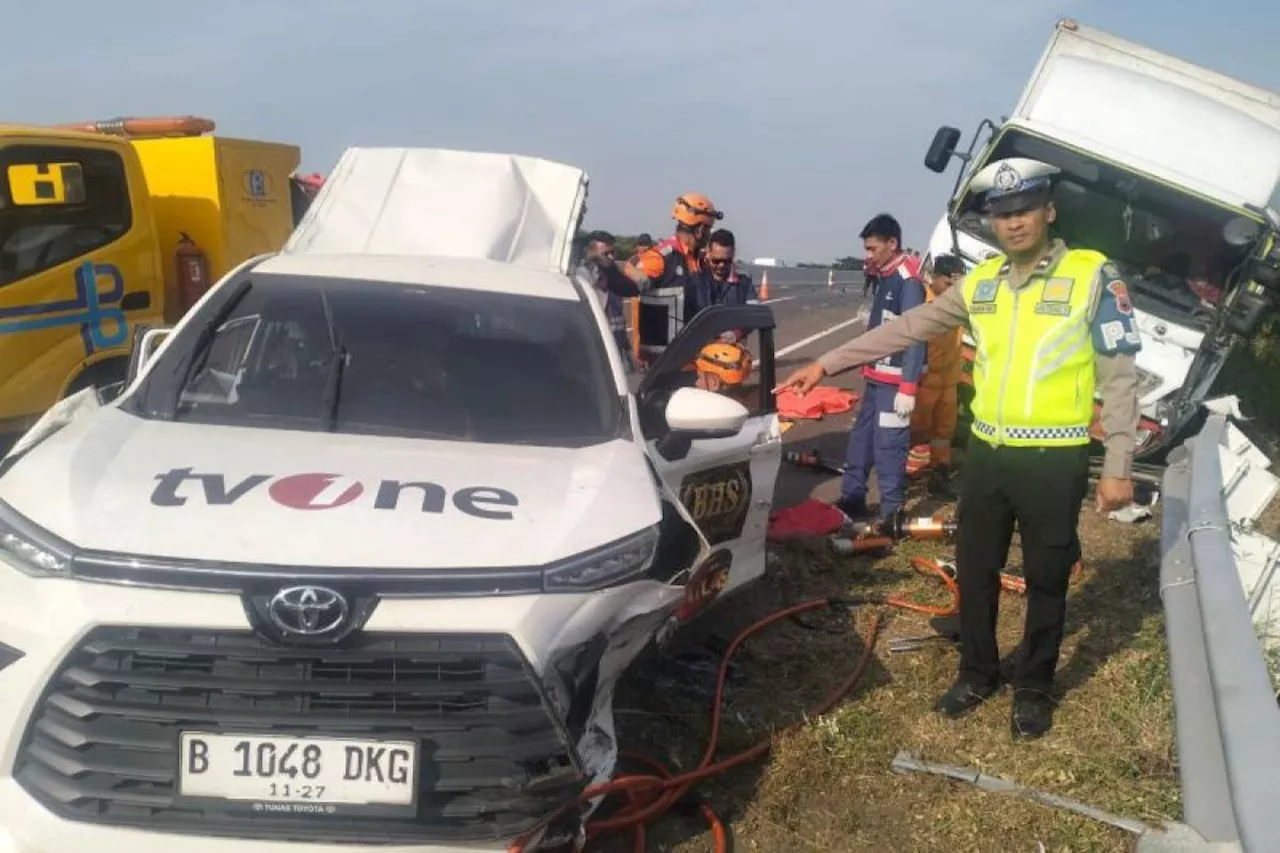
{"x": 827, "y": 786}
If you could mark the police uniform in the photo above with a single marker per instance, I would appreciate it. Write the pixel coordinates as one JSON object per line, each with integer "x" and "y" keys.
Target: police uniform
{"x": 1044, "y": 342}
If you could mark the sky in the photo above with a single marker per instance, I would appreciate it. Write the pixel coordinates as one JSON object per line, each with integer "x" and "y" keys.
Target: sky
{"x": 800, "y": 119}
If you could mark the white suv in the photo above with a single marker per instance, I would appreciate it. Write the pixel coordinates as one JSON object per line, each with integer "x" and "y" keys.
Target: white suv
{"x": 362, "y": 548}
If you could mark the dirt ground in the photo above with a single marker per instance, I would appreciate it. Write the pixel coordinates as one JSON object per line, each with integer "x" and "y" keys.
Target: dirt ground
{"x": 827, "y": 785}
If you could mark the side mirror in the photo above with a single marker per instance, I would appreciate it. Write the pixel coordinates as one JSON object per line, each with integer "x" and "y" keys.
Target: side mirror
{"x": 942, "y": 149}
{"x": 1241, "y": 232}
{"x": 696, "y": 413}
{"x": 145, "y": 343}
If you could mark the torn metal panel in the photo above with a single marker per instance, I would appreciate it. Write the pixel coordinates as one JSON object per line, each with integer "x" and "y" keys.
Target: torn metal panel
{"x": 433, "y": 202}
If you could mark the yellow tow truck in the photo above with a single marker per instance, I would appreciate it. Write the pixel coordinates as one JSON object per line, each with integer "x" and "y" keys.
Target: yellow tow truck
{"x": 110, "y": 226}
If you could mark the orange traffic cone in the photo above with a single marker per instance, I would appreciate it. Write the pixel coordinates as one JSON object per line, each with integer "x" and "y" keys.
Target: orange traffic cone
{"x": 764, "y": 286}
{"x": 831, "y": 279}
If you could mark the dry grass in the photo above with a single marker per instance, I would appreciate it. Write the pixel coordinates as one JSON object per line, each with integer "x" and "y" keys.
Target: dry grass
{"x": 827, "y": 786}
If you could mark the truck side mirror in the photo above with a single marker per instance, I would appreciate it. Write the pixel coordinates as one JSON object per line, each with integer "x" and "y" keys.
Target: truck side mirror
{"x": 942, "y": 149}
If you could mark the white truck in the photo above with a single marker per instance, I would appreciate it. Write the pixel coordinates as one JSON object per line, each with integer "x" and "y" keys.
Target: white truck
{"x": 1157, "y": 157}
{"x": 361, "y": 550}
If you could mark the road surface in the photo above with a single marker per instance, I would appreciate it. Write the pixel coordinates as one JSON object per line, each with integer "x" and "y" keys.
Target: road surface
{"x": 810, "y": 320}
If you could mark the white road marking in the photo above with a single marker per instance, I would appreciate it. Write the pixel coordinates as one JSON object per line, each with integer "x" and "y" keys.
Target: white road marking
{"x": 777, "y": 299}
{"x": 860, "y": 317}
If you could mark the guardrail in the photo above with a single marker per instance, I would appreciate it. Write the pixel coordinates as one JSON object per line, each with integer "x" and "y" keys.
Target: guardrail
{"x": 1227, "y": 718}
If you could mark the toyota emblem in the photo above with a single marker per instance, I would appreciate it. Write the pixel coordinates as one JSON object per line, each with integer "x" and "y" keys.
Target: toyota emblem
{"x": 308, "y": 611}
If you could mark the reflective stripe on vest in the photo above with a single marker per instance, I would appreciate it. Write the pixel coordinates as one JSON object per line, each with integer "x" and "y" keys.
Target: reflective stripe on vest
{"x": 661, "y": 311}
{"x": 1033, "y": 369}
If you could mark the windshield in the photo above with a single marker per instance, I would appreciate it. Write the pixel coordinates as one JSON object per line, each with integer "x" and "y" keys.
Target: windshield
{"x": 376, "y": 358}
{"x": 1167, "y": 243}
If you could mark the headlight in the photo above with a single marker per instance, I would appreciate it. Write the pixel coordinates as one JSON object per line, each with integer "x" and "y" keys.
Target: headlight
{"x": 610, "y": 565}
{"x": 31, "y": 550}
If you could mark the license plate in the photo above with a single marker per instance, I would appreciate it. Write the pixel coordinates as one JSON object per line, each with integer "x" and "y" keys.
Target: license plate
{"x": 294, "y": 775}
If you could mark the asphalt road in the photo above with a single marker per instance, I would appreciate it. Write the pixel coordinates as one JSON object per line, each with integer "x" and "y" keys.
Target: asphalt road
{"x": 810, "y": 320}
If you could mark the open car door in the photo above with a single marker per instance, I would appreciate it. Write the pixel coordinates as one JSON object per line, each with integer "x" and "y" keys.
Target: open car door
{"x": 725, "y": 484}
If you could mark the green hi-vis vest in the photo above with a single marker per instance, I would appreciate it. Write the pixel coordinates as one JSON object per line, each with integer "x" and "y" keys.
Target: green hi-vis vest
{"x": 1033, "y": 371}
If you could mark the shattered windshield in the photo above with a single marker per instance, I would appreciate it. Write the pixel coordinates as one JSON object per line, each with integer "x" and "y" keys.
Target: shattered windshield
{"x": 377, "y": 358}
{"x": 1167, "y": 243}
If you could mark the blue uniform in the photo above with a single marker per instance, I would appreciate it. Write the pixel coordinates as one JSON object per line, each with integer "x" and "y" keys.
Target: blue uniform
{"x": 880, "y": 438}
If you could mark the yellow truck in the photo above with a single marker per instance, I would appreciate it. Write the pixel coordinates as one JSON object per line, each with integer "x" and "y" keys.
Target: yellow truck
{"x": 108, "y": 226}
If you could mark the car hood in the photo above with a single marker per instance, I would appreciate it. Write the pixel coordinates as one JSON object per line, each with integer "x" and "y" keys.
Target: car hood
{"x": 111, "y": 481}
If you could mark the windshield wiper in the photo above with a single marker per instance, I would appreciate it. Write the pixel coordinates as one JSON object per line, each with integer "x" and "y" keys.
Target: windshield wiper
{"x": 337, "y": 365}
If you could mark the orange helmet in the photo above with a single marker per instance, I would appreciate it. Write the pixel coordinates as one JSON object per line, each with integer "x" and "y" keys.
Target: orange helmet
{"x": 694, "y": 209}
{"x": 731, "y": 362}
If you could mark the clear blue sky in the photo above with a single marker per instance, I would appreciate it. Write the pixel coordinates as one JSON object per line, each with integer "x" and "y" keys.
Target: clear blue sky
{"x": 800, "y": 118}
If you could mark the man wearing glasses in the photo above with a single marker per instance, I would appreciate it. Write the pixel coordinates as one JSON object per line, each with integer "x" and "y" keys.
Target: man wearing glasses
{"x": 719, "y": 282}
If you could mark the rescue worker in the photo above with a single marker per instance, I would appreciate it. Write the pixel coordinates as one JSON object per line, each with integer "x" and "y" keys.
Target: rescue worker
{"x": 723, "y": 367}
{"x": 881, "y": 434}
{"x": 934, "y": 420}
{"x": 611, "y": 287}
{"x": 643, "y": 244}
{"x": 719, "y": 282}
{"x": 1050, "y": 323}
{"x": 665, "y": 272}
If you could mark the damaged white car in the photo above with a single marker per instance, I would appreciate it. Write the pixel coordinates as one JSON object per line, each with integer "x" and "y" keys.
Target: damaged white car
{"x": 360, "y": 551}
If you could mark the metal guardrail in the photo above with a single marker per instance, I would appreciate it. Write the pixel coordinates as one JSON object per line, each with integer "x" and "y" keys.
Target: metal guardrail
{"x": 1227, "y": 718}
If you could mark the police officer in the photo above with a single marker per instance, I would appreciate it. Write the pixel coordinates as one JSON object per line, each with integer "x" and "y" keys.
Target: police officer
{"x": 1050, "y": 323}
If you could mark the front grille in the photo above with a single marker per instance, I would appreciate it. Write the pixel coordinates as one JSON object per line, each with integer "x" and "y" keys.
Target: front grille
{"x": 102, "y": 745}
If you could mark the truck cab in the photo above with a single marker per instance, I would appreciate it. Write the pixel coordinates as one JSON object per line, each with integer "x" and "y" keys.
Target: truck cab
{"x": 90, "y": 219}
{"x": 1157, "y": 156}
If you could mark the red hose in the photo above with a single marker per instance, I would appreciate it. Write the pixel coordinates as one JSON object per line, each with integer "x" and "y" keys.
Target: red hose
{"x": 651, "y": 795}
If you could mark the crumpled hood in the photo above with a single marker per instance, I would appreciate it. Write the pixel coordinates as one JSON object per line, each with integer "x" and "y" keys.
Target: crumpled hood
{"x": 111, "y": 481}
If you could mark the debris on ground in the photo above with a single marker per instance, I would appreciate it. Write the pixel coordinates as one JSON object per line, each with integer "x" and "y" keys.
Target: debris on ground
{"x": 907, "y": 762}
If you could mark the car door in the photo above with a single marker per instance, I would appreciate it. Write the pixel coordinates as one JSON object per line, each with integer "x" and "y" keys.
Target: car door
{"x": 725, "y": 484}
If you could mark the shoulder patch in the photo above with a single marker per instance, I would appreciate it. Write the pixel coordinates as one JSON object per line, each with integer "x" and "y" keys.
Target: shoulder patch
{"x": 1120, "y": 291}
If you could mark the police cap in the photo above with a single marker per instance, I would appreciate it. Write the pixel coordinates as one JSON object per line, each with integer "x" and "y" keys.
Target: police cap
{"x": 1014, "y": 184}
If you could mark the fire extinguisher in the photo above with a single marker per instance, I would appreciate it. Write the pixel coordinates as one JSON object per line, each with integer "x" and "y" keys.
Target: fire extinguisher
{"x": 193, "y": 272}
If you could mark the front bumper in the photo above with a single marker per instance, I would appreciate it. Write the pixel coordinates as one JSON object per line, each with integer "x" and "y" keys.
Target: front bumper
{"x": 109, "y": 675}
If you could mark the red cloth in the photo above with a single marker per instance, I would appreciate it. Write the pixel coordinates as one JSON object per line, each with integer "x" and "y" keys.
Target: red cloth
{"x": 823, "y": 400}
{"x": 811, "y": 518}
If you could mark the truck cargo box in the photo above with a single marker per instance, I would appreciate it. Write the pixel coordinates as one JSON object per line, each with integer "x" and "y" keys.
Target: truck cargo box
{"x": 231, "y": 196}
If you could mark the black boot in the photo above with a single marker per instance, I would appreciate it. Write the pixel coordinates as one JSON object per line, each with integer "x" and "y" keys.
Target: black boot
{"x": 1032, "y": 715}
{"x": 962, "y": 698}
{"x": 855, "y": 508}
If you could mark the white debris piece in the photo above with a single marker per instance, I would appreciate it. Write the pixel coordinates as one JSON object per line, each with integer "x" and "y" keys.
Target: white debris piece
{"x": 1228, "y": 406}
{"x": 1134, "y": 513}
{"x": 1257, "y": 557}
{"x": 1248, "y": 489}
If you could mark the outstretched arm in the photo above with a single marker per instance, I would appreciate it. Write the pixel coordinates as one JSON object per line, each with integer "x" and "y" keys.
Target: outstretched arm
{"x": 914, "y": 327}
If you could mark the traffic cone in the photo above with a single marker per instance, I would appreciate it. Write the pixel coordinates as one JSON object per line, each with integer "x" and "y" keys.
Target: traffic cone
{"x": 764, "y": 286}
{"x": 831, "y": 279}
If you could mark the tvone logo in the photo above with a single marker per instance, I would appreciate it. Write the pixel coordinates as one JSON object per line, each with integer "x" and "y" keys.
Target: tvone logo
{"x": 329, "y": 491}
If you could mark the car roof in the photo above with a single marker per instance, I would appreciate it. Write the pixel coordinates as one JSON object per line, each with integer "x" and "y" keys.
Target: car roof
{"x": 461, "y": 273}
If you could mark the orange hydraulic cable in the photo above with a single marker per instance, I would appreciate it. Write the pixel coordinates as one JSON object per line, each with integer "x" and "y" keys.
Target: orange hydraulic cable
{"x": 650, "y": 795}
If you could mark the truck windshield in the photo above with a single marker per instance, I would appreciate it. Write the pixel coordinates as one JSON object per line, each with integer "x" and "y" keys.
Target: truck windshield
{"x": 377, "y": 358}
{"x": 1168, "y": 243}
